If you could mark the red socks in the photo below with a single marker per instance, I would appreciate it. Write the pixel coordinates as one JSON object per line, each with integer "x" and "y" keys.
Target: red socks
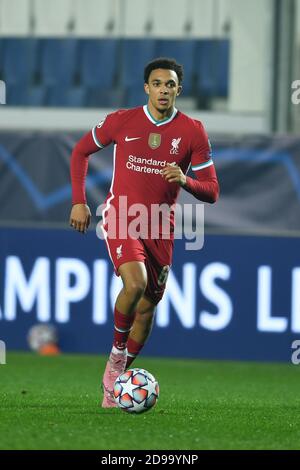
{"x": 123, "y": 324}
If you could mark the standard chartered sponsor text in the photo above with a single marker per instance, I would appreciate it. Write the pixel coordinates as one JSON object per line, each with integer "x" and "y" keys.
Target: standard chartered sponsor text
{"x": 134, "y": 163}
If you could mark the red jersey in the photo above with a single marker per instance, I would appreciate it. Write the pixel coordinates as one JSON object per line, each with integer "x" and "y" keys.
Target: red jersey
{"x": 143, "y": 147}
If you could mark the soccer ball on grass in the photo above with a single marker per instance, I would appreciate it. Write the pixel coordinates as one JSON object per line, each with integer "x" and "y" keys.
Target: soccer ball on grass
{"x": 136, "y": 391}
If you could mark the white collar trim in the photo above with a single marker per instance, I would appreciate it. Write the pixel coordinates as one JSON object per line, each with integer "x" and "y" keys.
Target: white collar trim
{"x": 154, "y": 121}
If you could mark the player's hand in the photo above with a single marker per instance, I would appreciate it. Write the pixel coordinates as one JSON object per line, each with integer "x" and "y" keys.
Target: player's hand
{"x": 80, "y": 217}
{"x": 173, "y": 174}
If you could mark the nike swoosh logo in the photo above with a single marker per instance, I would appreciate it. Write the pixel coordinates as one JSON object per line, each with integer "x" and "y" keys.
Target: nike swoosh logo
{"x": 129, "y": 139}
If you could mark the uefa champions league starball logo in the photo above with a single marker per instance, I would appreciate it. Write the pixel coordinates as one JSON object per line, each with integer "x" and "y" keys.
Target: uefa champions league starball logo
{"x": 136, "y": 391}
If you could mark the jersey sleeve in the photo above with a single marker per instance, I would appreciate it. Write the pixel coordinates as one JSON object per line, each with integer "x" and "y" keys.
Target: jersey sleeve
{"x": 205, "y": 186}
{"x": 105, "y": 132}
{"x": 201, "y": 151}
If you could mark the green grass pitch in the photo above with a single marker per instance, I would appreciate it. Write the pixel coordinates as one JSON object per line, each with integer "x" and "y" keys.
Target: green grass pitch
{"x": 53, "y": 403}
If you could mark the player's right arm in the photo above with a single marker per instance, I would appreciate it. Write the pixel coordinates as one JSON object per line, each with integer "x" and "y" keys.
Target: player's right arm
{"x": 96, "y": 139}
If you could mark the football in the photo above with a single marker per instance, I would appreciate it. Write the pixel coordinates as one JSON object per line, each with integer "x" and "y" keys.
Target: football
{"x": 40, "y": 335}
{"x": 136, "y": 391}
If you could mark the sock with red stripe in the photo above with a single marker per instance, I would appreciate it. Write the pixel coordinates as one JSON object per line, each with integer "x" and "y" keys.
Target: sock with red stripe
{"x": 133, "y": 349}
{"x": 123, "y": 324}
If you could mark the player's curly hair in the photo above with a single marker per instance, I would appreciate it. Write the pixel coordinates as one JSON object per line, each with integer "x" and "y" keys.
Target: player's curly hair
{"x": 164, "y": 63}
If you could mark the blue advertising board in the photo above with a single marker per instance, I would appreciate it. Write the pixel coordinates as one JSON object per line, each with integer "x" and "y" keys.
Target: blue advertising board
{"x": 237, "y": 298}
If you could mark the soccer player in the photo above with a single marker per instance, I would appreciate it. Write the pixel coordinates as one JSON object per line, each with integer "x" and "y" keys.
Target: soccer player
{"x": 154, "y": 146}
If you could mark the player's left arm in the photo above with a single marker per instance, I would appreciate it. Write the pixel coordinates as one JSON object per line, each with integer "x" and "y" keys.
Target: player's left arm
{"x": 205, "y": 186}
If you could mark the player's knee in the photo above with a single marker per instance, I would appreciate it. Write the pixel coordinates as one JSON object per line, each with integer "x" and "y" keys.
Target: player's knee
{"x": 135, "y": 288}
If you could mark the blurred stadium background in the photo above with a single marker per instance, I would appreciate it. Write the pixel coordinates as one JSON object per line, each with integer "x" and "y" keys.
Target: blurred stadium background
{"x": 64, "y": 65}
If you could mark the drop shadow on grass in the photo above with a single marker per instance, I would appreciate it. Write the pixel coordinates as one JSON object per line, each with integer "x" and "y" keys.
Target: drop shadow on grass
{"x": 92, "y": 408}
{"x": 57, "y": 407}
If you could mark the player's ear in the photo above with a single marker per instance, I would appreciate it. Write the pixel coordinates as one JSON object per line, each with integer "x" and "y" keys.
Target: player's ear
{"x": 179, "y": 90}
{"x": 146, "y": 88}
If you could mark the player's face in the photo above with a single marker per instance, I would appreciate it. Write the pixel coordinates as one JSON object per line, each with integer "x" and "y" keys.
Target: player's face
{"x": 162, "y": 88}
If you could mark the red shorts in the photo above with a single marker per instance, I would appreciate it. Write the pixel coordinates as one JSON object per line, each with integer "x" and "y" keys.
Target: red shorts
{"x": 156, "y": 254}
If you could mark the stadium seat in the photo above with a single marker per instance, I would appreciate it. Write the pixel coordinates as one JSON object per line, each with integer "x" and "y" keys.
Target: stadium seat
{"x": 19, "y": 95}
{"x": 1, "y": 58}
{"x": 223, "y": 69}
{"x": 105, "y": 98}
{"x": 98, "y": 61}
{"x": 19, "y": 60}
{"x": 135, "y": 97}
{"x": 57, "y": 61}
{"x": 212, "y": 68}
{"x": 36, "y": 96}
{"x": 53, "y": 18}
{"x": 77, "y": 97}
{"x": 135, "y": 54}
{"x": 184, "y": 53}
{"x": 64, "y": 96}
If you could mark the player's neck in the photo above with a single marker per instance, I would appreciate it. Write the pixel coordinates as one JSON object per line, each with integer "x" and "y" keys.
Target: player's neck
{"x": 159, "y": 115}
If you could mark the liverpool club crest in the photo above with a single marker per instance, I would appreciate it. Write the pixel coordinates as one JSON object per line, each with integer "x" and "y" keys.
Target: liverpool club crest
{"x": 154, "y": 141}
